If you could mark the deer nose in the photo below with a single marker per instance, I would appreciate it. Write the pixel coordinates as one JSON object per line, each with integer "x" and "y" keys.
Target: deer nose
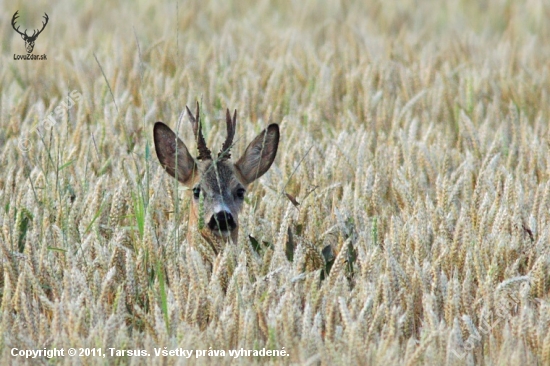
{"x": 222, "y": 221}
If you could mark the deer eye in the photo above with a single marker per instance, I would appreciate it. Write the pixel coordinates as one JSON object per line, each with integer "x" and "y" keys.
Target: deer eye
{"x": 196, "y": 192}
{"x": 240, "y": 193}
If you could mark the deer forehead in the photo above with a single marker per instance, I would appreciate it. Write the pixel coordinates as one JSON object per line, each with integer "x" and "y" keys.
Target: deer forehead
{"x": 218, "y": 178}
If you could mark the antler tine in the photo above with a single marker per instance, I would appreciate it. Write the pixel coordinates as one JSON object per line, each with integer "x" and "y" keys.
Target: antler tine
{"x": 44, "y": 24}
{"x": 225, "y": 152}
{"x": 13, "y": 20}
{"x": 204, "y": 152}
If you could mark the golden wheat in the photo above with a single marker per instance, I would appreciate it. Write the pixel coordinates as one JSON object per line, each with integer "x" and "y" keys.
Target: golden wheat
{"x": 414, "y": 146}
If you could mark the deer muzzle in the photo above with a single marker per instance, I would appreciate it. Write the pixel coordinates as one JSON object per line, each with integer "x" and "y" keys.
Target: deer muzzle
{"x": 222, "y": 221}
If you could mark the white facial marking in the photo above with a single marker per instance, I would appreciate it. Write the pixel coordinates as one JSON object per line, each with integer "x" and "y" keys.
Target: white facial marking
{"x": 221, "y": 207}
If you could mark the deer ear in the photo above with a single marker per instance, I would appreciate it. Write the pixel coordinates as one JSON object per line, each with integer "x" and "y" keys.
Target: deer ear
{"x": 23, "y": 36}
{"x": 169, "y": 153}
{"x": 259, "y": 155}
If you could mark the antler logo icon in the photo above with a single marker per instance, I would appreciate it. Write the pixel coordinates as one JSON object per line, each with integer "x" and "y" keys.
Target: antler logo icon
{"x": 29, "y": 40}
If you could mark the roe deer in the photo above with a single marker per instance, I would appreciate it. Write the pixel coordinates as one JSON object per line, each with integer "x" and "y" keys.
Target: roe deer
{"x": 218, "y": 185}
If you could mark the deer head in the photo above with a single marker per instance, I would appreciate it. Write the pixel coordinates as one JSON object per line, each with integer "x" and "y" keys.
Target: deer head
{"x": 218, "y": 185}
{"x": 29, "y": 40}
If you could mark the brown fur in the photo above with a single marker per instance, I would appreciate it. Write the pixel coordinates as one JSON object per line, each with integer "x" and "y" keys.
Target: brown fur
{"x": 219, "y": 180}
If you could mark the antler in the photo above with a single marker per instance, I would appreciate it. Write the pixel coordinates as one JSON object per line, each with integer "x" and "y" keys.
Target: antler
{"x": 34, "y": 34}
{"x": 43, "y": 25}
{"x": 225, "y": 152}
{"x": 204, "y": 152}
{"x": 15, "y": 16}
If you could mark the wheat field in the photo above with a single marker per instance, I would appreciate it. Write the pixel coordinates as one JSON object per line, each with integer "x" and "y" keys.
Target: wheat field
{"x": 414, "y": 137}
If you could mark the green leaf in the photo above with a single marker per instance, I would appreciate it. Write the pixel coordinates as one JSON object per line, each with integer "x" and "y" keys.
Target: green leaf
{"x": 66, "y": 164}
{"x": 57, "y": 249}
{"x": 26, "y": 217}
{"x": 255, "y": 244}
{"x": 139, "y": 212}
{"x": 163, "y": 297}
{"x": 147, "y": 151}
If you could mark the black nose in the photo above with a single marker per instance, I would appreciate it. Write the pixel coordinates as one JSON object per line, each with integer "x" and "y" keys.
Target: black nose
{"x": 222, "y": 221}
